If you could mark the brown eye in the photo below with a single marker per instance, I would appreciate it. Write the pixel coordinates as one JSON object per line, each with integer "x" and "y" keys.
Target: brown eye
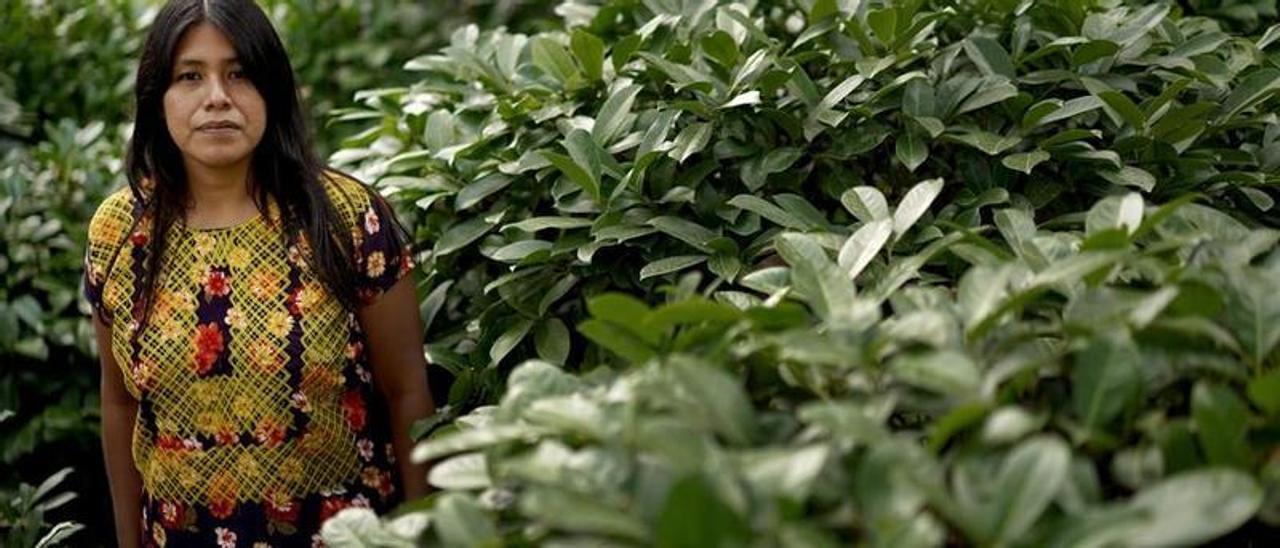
{"x": 188, "y": 76}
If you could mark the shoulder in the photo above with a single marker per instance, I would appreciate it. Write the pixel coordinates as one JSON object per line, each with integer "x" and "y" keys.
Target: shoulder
{"x": 113, "y": 218}
{"x": 349, "y": 196}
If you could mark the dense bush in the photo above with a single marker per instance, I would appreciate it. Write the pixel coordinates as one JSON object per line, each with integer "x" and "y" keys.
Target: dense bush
{"x": 339, "y": 46}
{"x": 22, "y": 511}
{"x": 67, "y": 60}
{"x": 908, "y": 272}
{"x": 66, "y": 70}
{"x": 47, "y": 193}
{"x": 50, "y": 191}
{"x": 76, "y": 59}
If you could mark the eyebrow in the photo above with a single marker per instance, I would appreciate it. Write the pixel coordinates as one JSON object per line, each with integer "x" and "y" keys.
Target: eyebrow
{"x": 199, "y": 62}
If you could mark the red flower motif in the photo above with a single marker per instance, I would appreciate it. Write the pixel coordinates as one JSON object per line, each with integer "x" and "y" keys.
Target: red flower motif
{"x": 406, "y": 262}
{"x": 269, "y": 433}
{"x": 172, "y": 514}
{"x": 215, "y": 284}
{"x": 353, "y": 409}
{"x": 294, "y": 302}
{"x": 138, "y": 238}
{"x": 367, "y": 295}
{"x": 377, "y": 479}
{"x": 354, "y": 350}
{"x": 331, "y": 506}
{"x": 222, "y": 508}
{"x": 170, "y": 442}
{"x": 371, "y": 222}
{"x": 208, "y": 345}
{"x": 227, "y": 437}
{"x": 385, "y": 485}
{"x": 222, "y": 491}
{"x": 282, "y": 508}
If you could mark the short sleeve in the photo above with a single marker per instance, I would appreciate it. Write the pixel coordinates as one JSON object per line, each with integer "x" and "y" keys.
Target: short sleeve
{"x": 108, "y": 229}
{"x": 381, "y": 250}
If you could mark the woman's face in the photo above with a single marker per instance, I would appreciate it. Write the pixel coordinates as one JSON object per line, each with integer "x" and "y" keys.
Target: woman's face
{"x": 214, "y": 113}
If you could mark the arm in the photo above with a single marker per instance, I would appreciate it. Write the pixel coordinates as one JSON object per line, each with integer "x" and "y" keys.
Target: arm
{"x": 119, "y": 413}
{"x": 394, "y": 331}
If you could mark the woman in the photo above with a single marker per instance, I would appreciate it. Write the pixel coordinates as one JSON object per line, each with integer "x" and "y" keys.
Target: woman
{"x": 260, "y": 341}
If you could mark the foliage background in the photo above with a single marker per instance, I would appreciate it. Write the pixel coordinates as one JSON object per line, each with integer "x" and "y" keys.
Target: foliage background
{"x": 66, "y": 69}
{"x": 874, "y": 254}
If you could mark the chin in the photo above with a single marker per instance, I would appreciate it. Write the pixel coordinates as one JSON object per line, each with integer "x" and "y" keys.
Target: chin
{"x": 220, "y": 158}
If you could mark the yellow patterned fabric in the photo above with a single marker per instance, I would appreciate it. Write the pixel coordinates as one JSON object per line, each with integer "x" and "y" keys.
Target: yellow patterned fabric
{"x": 253, "y": 383}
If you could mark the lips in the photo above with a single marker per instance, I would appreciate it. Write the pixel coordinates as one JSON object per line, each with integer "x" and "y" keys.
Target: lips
{"x": 213, "y": 126}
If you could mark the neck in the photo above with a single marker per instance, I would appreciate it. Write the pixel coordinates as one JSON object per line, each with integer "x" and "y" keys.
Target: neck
{"x": 218, "y": 195}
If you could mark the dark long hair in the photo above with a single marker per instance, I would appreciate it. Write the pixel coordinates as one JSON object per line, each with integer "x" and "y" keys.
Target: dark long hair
{"x": 284, "y": 166}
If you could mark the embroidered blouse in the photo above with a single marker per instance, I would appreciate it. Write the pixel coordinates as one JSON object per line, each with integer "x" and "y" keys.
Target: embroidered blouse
{"x": 253, "y": 383}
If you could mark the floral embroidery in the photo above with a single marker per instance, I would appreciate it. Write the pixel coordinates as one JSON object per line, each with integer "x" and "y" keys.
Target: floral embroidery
{"x": 366, "y": 449}
{"x": 264, "y": 356}
{"x": 406, "y": 264}
{"x": 237, "y": 443}
{"x": 210, "y": 421}
{"x": 226, "y": 437}
{"x": 269, "y": 433}
{"x": 172, "y": 514}
{"x": 371, "y": 223}
{"x": 185, "y": 301}
{"x": 208, "y": 346}
{"x": 353, "y": 409}
{"x": 204, "y": 243}
{"x": 354, "y": 350}
{"x": 297, "y": 301}
{"x": 226, "y": 537}
{"x": 215, "y": 284}
{"x": 242, "y": 406}
{"x": 295, "y": 256}
{"x": 281, "y": 507}
{"x": 378, "y": 479}
{"x": 239, "y": 257}
{"x": 264, "y": 283}
{"x": 279, "y": 323}
{"x": 143, "y": 374}
{"x": 290, "y": 470}
{"x": 299, "y": 401}
{"x": 332, "y": 506}
{"x": 222, "y": 495}
{"x": 169, "y": 442}
{"x": 377, "y": 264}
{"x": 235, "y": 318}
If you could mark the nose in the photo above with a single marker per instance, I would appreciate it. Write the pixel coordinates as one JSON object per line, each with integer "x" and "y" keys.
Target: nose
{"x": 218, "y": 98}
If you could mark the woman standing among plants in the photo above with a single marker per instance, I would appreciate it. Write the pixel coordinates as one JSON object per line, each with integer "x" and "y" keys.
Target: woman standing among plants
{"x": 260, "y": 341}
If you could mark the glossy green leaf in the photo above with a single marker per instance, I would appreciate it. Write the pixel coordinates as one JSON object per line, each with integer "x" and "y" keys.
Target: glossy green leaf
{"x": 589, "y": 51}
{"x": 668, "y": 265}
{"x": 1221, "y": 421}
{"x": 551, "y": 339}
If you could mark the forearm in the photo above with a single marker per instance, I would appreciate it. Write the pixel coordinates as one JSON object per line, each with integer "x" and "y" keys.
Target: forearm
{"x": 405, "y": 408}
{"x": 125, "y": 482}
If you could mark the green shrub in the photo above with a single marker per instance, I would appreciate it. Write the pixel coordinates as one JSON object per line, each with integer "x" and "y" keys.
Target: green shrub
{"x": 66, "y": 76}
{"x": 67, "y": 59}
{"x": 911, "y": 273}
{"x": 49, "y": 194}
{"x": 22, "y": 512}
{"x": 340, "y": 46}
{"x": 76, "y": 59}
